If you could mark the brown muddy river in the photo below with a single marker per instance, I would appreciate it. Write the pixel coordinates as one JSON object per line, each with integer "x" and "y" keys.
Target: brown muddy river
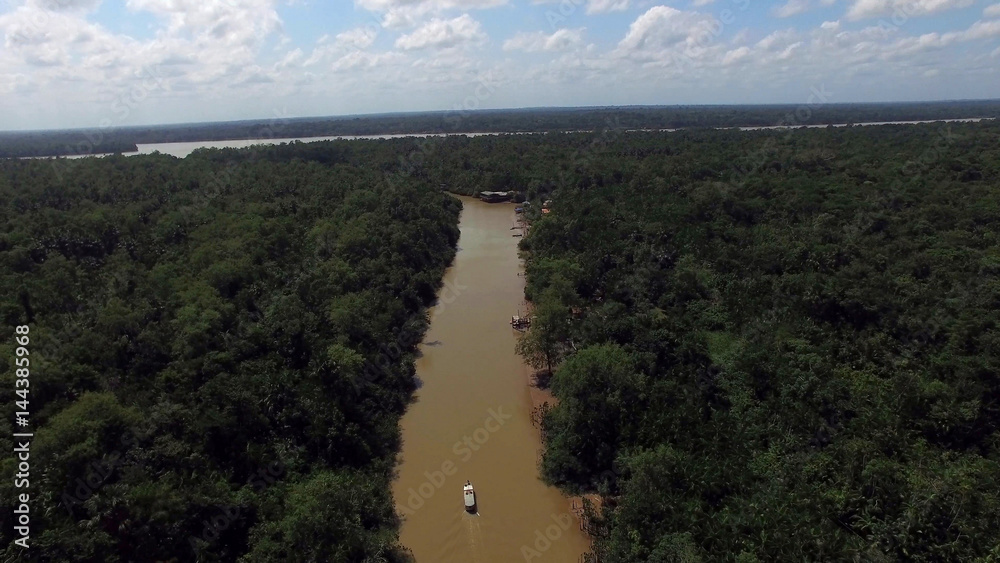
{"x": 472, "y": 419}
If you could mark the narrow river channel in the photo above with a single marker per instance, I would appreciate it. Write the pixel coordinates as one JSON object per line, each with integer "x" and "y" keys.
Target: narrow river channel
{"x": 471, "y": 420}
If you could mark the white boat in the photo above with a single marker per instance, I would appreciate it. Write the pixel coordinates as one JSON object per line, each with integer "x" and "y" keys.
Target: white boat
{"x": 470, "y": 498}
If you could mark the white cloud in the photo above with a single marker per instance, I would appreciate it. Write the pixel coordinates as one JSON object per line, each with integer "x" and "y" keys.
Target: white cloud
{"x": 685, "y": 49}
{"x": 568, "y": 7}
{"x": 400, "y": 14}
{"x": 443, "y": 34}
{"x": 235, "y": 55}
{"x": 65, "y": 5}
{"x": 980, "y": 30}
{"x": 290, "y": 59}
{"x": 199, "y": 47}
{"x": 777, "y": 40}
{"x": 361, "y": 59}
{"x": 604, "y": 6}
{"x": 663, "y": 27}
{"x": 862, "y": 9}
{"x": 790, "y": 8}
{"x": 357, "y": 38}
{"x": 560, "y": 40}
{"x": 38, "y": 37}
{"x": 735, "y": 56}
{"x": 232, "y": 21}
{"x": 429, "y": 5}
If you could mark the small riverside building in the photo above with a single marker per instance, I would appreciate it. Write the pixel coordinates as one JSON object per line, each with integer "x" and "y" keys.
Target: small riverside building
{"x": 496, "y": 197}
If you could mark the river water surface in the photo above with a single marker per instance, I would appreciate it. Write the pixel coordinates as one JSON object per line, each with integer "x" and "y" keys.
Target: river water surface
{"x": 471, "y": 420}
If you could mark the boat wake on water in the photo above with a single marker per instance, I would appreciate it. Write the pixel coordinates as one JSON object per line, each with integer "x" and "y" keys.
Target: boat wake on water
{"x": 466, "y": 540}
{"x": 475, "y": 537}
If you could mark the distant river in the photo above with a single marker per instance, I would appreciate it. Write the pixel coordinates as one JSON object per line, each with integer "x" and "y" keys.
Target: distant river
{"x": 181, "y": 150}
{"x": 869, "y": 123}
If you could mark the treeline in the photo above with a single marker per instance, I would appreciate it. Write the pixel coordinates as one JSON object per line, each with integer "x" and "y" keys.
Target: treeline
{"x": 65, "y": 143}
{"x": 220, "y": 351}
{"x": 815, "y": 111}
{"x": 776, "y": 346}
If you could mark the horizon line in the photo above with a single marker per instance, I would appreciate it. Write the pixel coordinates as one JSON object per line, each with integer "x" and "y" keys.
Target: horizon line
{"x": 339, "y": 117}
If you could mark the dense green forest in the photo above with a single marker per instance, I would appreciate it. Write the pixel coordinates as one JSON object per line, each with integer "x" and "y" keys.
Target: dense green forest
{"x": 777, "y": 346}
{"x": 220, "y": 349}
{"x": 772, "y": 345}
{"x": 815, "y": 111}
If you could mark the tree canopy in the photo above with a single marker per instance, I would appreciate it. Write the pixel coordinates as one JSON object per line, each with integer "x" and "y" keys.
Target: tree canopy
{"x": 766, "y": 345}
{"x": 210, "y": 378}
{"x": 786, "y": 346}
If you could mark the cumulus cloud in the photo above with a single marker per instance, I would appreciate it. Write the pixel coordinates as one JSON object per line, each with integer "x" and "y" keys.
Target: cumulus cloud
{"x": 664, "y": 28}
{"x": 560, "y": 40}
{"x": 42, "y": 38}
{"x": 979, "y": 30}
{"x": 443, "y": 34}
{"x": 342, "y": 47}
{"x": 399, "y": 14}
{"x": 790, "y": 8}
{"x": 430, "y": 5}
{"x": 199, "y": 46}
{"x": 567, "y": 7}
{"x": 667, "y": 46}
{"x": 357, "y": 38}
{"x": 735, "y": 56}
{"x": 777, "y": 40}
{"x": 604, "y": 6}
{"x": 862, "y": 9}
{"x": 233, "y": 21}
{"x": 362, "y": 60}
{"x": 239, "y": 49}
{"x": 66, "y": 5}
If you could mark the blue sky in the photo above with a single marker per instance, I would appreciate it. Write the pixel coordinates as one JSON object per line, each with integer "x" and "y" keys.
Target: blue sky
{"x": 98, "y": 64}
